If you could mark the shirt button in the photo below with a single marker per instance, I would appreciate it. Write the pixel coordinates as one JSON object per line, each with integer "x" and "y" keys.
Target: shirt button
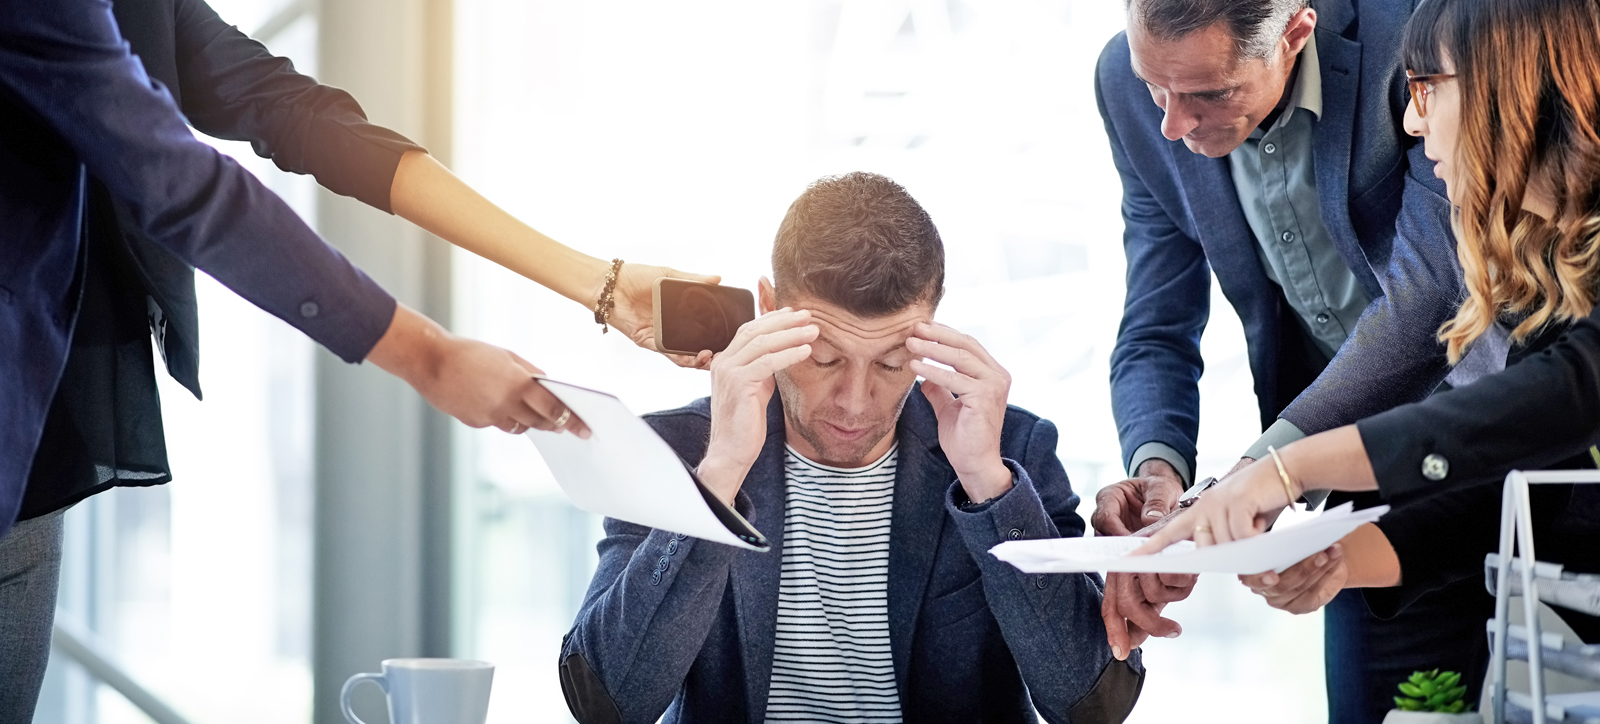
{"x": 309, "y": 309}
{"x": 1323, "y": 318}
{"x": 1270, "y": 148}
{"x": 1287, "y": 236}
{"x": 1015, "y": 534}
{"x": 1435, "y": 467}
{"x": 1040, "y": 582}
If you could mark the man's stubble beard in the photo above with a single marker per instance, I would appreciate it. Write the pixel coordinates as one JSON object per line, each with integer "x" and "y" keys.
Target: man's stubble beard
{"x": 850, "y": 458}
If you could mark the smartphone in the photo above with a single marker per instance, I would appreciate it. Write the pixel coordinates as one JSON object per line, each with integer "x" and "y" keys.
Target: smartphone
{"x": 692, "y": 316}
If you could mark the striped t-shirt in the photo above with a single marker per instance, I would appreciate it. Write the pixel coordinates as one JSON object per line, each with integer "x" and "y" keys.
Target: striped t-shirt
{"x": 831, "y": 660}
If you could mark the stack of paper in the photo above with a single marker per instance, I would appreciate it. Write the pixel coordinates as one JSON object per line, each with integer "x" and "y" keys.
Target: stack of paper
{"x": 1272, "y": 551}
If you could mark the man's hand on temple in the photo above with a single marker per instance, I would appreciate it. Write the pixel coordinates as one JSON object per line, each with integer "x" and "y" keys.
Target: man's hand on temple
{"x": 1124, "y": 507}
{"x": 634, "y": 314}
{"x": 969, "y": 400}
{"x": 1306, "y": 586}
{"x": 476, "y": 383}
{"x": 741, "y": 386}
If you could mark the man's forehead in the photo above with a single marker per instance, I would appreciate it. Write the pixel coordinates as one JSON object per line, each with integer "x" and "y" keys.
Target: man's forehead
{"x": 850, "y": 332}
{"x": 1204, "y": 60}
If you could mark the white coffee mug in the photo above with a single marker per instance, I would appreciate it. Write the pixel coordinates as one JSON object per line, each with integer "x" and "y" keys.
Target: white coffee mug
{"x": 429, "y": 691}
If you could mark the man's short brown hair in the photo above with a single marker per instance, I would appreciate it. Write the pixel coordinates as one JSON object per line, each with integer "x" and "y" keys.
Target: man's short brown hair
{"x": 860, "y": 242}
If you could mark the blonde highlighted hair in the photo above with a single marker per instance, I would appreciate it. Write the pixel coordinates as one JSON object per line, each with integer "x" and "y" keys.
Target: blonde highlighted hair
{"x": 1529, "y": 75}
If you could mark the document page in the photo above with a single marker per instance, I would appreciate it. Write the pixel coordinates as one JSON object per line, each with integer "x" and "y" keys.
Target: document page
{"x": 1274, "y": 550}
{"x": 626, "y": 471}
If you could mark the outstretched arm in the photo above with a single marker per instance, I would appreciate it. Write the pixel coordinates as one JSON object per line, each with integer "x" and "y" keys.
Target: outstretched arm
{"x": 233, "y": 87}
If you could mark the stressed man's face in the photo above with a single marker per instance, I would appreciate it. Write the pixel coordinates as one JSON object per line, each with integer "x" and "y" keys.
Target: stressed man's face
{"x": 841, "y": 404}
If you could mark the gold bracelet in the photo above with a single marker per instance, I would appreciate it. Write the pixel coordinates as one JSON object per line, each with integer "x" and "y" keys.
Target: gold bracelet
{"x": 607, "y": 301}
{"x": 1282, "y": 474}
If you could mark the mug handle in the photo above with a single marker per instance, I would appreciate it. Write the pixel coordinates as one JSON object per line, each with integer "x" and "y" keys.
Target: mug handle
{"x": 350, "y": 685}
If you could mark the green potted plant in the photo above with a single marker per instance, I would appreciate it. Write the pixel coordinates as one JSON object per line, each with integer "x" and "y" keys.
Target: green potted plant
{"x": 1432, "y": 697}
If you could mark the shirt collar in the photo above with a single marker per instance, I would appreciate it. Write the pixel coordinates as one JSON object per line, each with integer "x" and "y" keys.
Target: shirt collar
{"x": 1307, "y": 92}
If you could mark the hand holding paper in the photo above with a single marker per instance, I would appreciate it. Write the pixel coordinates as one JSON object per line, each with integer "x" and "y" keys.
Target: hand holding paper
{"x": 1274, "y": 551}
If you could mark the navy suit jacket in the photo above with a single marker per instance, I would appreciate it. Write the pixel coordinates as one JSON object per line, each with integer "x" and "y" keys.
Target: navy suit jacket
{"x": 973, "y": 639}
{"x": 1383, "y": 207}
{"x": 75, "y": 103}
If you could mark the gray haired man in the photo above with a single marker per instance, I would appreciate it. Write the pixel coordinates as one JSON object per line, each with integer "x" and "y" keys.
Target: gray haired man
{"x": 1263, "y": 141}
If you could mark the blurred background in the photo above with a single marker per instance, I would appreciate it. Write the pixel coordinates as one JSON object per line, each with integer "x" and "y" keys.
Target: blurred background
{"x": 305, "y": 524}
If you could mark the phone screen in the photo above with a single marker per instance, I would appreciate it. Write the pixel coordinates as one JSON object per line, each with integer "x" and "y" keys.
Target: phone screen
{"x": 693, "y": 316}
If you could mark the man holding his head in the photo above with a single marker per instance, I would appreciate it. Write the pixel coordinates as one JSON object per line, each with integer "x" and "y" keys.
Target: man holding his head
{"x": 1263, "y": 140}
{"x": 879, "y": 601}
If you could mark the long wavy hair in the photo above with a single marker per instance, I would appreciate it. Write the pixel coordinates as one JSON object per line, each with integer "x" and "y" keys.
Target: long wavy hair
{"x": 1529, "y": 75}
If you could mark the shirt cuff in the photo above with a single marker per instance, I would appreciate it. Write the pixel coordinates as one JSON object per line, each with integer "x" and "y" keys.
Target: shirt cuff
{"x": 1282, "y": 433}
{"x": 1279, "y": 434}
{"x": 1161, "y": 451}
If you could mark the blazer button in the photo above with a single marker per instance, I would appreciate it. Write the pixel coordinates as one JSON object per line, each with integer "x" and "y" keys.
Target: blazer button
{"x": 309, "y": 309}
{"x": 1435, "y": 467}
{"x": 661, "y": 565}
{"x": 1015, "y": 534}
{"x": 655, "y": 578}
{"x": 672, "y": 546}
{"x": 1040, "y": 582}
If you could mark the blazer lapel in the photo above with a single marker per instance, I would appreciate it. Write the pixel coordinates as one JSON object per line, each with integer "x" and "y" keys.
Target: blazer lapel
{"x": 1219, "y": 223}
{"x": 1340, "y": 61}
{"x": 916, "y": 524}
{"x": 755, "y": 575}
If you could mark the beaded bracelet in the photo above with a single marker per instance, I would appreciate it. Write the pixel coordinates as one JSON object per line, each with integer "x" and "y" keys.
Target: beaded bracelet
{"x": 607, "y": 302}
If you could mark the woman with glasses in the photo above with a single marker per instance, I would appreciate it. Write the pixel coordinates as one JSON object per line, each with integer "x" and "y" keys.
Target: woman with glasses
{"x": 1506, "y": 95}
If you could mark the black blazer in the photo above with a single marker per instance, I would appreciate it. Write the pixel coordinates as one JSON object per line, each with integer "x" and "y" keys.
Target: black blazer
{"x": 106, "y": 413}
{"x": 76, "y": 106}
{"x": 1542, "y": 412}
{"x": 230, "y": 86}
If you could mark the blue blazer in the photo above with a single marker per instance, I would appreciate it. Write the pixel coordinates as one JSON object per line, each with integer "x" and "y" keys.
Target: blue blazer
{"x": 1386, "y": 212}
{"x": 75, "y": 103}
{"x": 973, "y": 639}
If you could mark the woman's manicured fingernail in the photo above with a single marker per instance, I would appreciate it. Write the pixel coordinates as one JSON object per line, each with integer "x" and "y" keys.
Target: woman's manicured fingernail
{"x": 1174, "y": 634}
{"x": 1269, "y": 580}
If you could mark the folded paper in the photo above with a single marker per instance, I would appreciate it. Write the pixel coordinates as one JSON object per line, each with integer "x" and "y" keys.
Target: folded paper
{"x": 627, "y": 472}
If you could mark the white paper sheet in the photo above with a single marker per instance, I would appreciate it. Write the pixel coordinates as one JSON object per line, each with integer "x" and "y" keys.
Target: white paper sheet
{"x": 626, "y": 471}
{"x": 1272, "y": 551}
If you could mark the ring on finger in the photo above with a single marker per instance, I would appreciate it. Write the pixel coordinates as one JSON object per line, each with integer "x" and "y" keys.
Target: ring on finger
{"x": 562, "y": 420}
{"x": 518, "y": 428}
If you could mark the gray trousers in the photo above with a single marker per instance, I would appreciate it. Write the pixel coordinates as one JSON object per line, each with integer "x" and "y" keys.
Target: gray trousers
{"x": 30, "y": 568}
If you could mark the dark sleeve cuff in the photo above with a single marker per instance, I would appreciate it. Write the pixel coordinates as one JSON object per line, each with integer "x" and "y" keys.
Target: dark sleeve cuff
{"x": 1016, "y": 514}
{"x": 1439, "y": 540}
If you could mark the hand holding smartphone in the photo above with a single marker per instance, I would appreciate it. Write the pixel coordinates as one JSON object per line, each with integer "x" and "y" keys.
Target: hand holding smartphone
{"x": 694, "y": 316}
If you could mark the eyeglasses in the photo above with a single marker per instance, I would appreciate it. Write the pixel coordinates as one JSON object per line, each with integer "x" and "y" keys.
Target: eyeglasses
{"x": 1421, "y": 86}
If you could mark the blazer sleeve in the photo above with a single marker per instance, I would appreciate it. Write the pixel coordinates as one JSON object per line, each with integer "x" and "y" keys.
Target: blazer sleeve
{"x": 1156, "y": 363}
{"x": 648, "y": 611}
{"x": 66, "y": 62}
{"x": 1533, "y": 414}
{"x": 233, "y": 88}
{"x": 1393, "y": 355}
{"x": 1051, "y": 623}
{"x": 649, "y": 608}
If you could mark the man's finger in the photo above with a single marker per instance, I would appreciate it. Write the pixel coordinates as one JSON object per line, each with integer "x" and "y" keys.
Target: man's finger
{"x": 951, "y": 380}
{"x": 770, "y": 342}
{"x": 1116, "y": 624}
{"x": 1111, "y": 505}
{"x": 1178, "y": 580}
{"x": 1145, "y": 614}
{"x": 1158, "y": 498}
{"x": 958, "y": 358}
{"x": 951, "y": 337}
{"x": 778, "y": 361}
{"x": 775, "y": 320}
